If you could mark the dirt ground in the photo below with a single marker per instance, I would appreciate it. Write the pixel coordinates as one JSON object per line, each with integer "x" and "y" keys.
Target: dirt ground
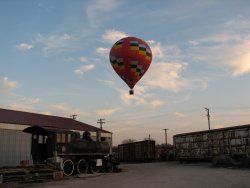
{"x": 157, "y": 175}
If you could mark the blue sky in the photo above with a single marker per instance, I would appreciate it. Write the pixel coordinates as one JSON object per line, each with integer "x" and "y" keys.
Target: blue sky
{"x": 54, "y": 60}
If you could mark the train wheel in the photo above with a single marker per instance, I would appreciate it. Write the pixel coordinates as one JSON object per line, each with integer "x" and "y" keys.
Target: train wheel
{"x": 68, "y": 167}
{"x": 94, "y": 168}
{"x": 109, "y": 167}
{"x": 82, "y": 166}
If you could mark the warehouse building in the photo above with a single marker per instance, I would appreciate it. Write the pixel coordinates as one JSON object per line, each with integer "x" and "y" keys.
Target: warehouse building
{"x": 15, "y": 145}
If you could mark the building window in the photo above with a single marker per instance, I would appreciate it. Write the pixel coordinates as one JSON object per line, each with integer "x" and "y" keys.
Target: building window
{"x": 40, "y": 139}
{"x": 61, "y": 138}
{"x": 58, "y": 138}
{"x": 69, "y": 138}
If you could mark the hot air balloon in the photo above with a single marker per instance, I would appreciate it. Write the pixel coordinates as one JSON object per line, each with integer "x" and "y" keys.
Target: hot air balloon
{"x": 130, "y": 57}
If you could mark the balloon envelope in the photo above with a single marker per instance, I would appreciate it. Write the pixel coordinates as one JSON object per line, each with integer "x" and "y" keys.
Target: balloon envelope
{"x": 130, "y": 57}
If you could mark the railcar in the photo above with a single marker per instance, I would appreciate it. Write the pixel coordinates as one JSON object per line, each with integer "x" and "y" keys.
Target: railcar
{"x": 210, "y": 145}
{"x": 68, "y": 151}
{"x": 143, "y": 151}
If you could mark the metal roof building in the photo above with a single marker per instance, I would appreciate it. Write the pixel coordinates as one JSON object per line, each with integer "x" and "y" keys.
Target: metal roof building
{"x": 33, "y": 119}
{"x": 15, "y": 145}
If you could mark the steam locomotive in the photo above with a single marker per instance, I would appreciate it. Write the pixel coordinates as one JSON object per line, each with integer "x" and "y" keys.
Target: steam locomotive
{"x": 67, "y": 151}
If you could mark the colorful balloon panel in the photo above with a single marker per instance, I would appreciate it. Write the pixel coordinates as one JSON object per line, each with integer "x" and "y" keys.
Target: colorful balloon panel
{"x": 130, "y": 57}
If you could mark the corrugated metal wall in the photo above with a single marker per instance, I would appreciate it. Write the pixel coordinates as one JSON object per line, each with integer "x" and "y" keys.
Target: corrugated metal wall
{"x": 15, "y": 146}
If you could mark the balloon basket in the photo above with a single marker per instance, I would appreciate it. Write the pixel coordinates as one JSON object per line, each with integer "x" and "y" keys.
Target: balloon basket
{"x": 131, "y": 92}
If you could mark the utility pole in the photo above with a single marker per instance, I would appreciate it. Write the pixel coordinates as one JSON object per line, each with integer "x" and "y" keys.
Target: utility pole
{"x": 101, "y": 121}
{"x": 208, "y": 117}
{"x": 166, "y": 138}
{"x": 73, "y": 116}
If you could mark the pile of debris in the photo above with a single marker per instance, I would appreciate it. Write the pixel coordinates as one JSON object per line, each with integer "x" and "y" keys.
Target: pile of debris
{"x": 37, "y": 173}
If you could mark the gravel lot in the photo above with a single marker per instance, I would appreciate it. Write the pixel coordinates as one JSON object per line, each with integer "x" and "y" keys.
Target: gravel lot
{"x": 157, "y": 175}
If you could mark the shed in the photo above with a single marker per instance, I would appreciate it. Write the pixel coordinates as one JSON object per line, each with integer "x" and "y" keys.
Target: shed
{"x": 15, "y": 145}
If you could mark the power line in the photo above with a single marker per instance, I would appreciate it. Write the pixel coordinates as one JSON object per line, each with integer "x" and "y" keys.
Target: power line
{"x": 101, "y": 121}
{"x": 73, "y": 116}
{"x": 166, "y": 138}
{"x": 208, "y": 117}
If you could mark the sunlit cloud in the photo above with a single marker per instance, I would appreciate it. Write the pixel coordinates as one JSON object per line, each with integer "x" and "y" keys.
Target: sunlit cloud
{"x": 227, "y": 50}
{"x": 132, "y": 100}
{"x": 157, "y": 103}
{"x": 238, "y": 23}
{"x": 111, "y": 36}
{"x": 7, "y": 85}
{"x": 166, "y": 76}
{"x": 83, "y": 69}
{"x": 34, "y": 101}
{"x": 66, "y": 110}
{"x": 107, "y": 112}
{"x": 166, "y": 70}
{"x": 22, "y": 107}
{"x": 23, "y": 103}
{"x": 59, "y": 43}
{"x": 179, "y": 114}
{"x": 103, "y": 51}
{"x": 96, "y": 9}
{"x": 24, "y": 47}
{"x": 157, "y": 50}
{"x": 68, "y": 59}
{"x": 139, "y": 98}
{"x": 109, "y": 83}
{"x": 241, "y": 64}
{"x": 83, "y": 59}
{"x": 230, "y": 54}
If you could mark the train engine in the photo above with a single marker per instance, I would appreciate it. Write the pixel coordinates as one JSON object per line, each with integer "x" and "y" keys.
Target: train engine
{"x": 67, "y": 151}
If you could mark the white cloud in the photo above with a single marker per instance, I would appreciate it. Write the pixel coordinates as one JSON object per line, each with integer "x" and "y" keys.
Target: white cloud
{"x": 107, "y": 112}
{"x": 112, "y": 36}
{"x": 22, "y": 107}
{"x": 23, "y": 103}
{"x": 157, "y": 50}
{"x": 83, "y": 59}
{"x": 132, "y": 99}
{"x": 24, "y": 47}
{"x": 241, "y": 65}
{"x": 96, "y": 8}
{"x": 109, "y": 83}
{"x": 7, "y": 85}
{"x": 103, "y": 51}
{"x": 67, "y": 111}
{"x": 157, "y": 103}
{"x": 179, "y": 114}
{"x": 35, "y": 101}
{"x": 238, "y": 23}
{"x": 230, "y": 53}
{"x": 166, "y": 70}
{"x": 227, "y": 49}
{"x": 164, "y": 52}
{"x": 241, "y": 62}
{"x": 55, "y": 42}
{"x": 139, "y": 97}
{"x": 83, "y": 69}
{"x": 68, "y": 59}
{"x": 166, "y": 76}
